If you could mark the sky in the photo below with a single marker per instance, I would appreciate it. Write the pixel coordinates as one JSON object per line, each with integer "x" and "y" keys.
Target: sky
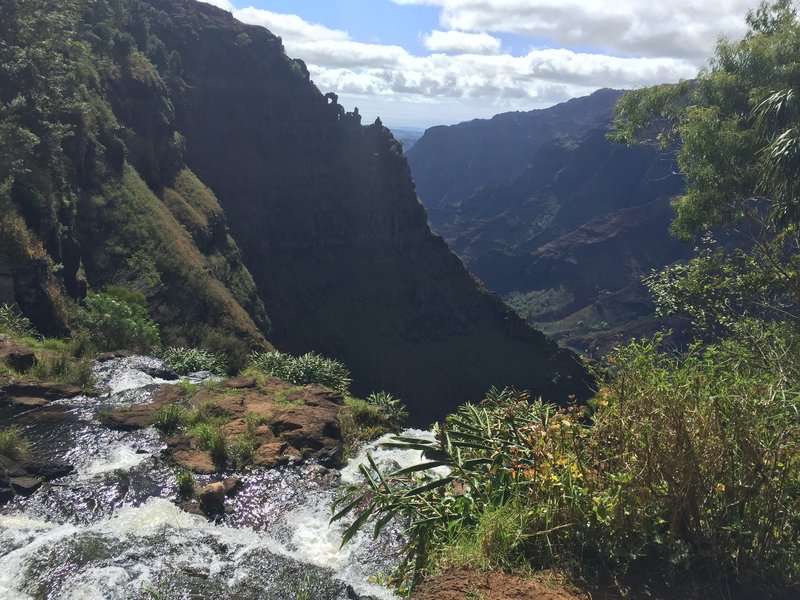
{"x": 418, "y": 63}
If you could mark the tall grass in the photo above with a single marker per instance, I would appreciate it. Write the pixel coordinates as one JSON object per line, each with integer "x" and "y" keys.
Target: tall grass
{"x": 15, "y": 323}
{"x": 687, "y": 463}
{"x": 13, "y": 443}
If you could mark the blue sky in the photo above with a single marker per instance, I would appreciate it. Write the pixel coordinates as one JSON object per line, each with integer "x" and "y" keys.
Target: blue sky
{"x": 427, "y": 62}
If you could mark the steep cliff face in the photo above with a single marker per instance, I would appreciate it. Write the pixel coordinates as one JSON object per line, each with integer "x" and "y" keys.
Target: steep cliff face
{"x": 330, "y": 226}
{"x": 94, "y": 187}
{"x": 575, "y": 226}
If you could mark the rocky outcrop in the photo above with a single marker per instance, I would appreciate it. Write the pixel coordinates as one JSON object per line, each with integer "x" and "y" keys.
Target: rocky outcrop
{"x": 24, "y": 477}
{"x": 34, "y": 393}
{"x": 282, "y": 422}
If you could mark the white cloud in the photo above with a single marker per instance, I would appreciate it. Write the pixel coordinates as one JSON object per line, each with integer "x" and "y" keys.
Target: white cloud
{"x": 635, "y": 42}
{"x": 223, "y": 4}
{"x": 291, "y": 28}
{"x": 674, "y": 28}
{"x": 461, "y": 42}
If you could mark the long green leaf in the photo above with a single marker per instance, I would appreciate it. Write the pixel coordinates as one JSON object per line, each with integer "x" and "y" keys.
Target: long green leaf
{"x": 432, "y": 485}
{"x": 420, "y": 467}
{"x": 357, "y": 524}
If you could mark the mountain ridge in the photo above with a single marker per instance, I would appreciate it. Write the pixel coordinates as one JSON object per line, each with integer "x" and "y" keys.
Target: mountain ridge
{"x": 580, "y": 219}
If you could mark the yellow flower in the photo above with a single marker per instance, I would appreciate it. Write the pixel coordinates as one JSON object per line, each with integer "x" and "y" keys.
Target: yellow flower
{"x": 720, "y": 488}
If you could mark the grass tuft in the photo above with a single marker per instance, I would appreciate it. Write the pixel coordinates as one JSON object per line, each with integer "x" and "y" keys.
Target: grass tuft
{"x": 13, "y": 443}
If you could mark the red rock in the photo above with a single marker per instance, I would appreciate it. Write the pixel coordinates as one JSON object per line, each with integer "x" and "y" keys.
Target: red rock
{"x": 212, "y": 498}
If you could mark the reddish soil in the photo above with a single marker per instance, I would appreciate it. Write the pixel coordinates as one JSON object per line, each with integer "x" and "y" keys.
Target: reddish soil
{"x": 464, "y": 584}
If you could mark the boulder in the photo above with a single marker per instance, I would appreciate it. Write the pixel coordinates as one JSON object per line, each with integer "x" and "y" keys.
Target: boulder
{"x": 46, "y": 470}
{"x": 17, "y": 356}
{"x": 25, "y": 486}
{"x": 313, "y": 430}
{"x": 212, "y": 498}
{"x": 271, "y": 454}
{"x": 160, "y": 372}
{"x": 239, "y": 383}
{"x": 183, "y": 453}
{"x": 35, "y": 393}
{"x": 232, "y": 485}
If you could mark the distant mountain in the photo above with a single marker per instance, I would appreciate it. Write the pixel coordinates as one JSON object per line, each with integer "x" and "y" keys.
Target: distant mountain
{"x": 407, "y": 136}
{"x": 550, "y": 214}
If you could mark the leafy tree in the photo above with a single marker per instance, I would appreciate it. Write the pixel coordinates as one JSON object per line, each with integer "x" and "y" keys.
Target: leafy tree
{"x": 737, "y": 133}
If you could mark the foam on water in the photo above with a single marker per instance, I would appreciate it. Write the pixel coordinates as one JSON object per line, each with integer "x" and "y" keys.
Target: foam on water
{"x": 136, "y": 538}
{"x": 118, "y": 457}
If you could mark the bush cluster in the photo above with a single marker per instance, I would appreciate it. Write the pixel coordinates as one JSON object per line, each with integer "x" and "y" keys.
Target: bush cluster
{"x": 190, "y": 360}
{"x": 302, "y": 370}
{"x": 393, "y": 408}
{"x": 679, "y": 464}
{"x": 119, "y": 319}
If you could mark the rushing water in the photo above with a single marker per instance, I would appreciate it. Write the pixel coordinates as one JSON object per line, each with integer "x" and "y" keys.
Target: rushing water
{"x": 111, "y": 530}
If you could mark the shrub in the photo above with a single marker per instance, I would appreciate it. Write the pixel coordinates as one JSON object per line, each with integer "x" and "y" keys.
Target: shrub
{"x": 185, "y": 481}
{"x": 115, "y": 321}
{"x": 681, "y": 463}
{"x": 13, "y": 443}
{"x": 169, "y": 417}
{"x": 392, "y": 407}
{"x": 302, "y": 370}
{"x": 14, "y": 323}
{"x": 190, "y": 360}
{"x": 361, "y": 421}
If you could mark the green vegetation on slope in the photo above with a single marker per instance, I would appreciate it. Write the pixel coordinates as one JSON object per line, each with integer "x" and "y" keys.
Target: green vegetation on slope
{"x": 95, "y": 192}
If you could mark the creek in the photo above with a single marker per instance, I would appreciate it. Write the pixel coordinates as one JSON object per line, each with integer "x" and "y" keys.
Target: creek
{"x": 112, "y": 530}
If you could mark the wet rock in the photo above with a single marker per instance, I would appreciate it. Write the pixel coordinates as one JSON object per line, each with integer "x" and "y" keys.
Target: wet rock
{"x": 212, "y": 498}
{"x": 46, "y": 470}
{"x": 25, "y": 486}
{"x": 232, "y": 485}
{"x": 34, "y": 393}
{"x": 271, "y": 454}
{"x": 160, "y": 372}
{"x": 10, "y": 468}
{"x": 191, "y": 507}
{"x": 141, "y": 415}
{"x": 17, "y": 356}
{"x": 107, "y": 356}
{"x": 6, "y": 492}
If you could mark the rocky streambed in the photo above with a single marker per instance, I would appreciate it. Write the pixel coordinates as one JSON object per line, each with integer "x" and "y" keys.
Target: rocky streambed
{"x": 108, "y": 524}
